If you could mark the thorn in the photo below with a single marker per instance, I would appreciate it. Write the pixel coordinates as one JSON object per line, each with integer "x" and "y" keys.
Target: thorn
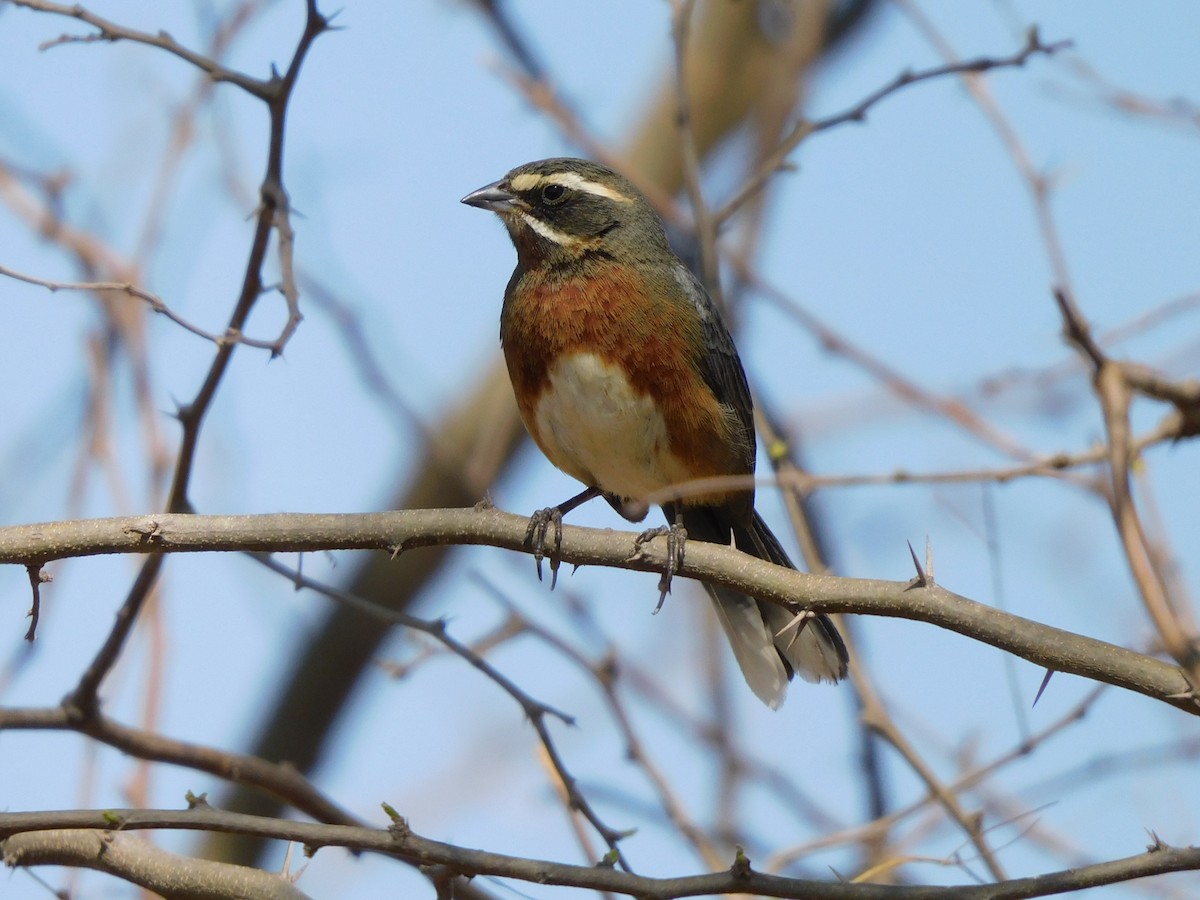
{"x": 1040, "y": 690}
{"x": 797, "y": 622}
{"x": 920, "y": 580}
{"x": 1156, "y": 844}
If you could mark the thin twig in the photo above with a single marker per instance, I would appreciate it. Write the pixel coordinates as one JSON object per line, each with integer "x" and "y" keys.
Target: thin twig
{"x": 535, "y": 711}
{"x": 271, "y": 216}
{"x": 858, "y": 113}
{"x": 111, "y": 32}
{"x": 279, "y": 779}
{"x": 156, "y": 304}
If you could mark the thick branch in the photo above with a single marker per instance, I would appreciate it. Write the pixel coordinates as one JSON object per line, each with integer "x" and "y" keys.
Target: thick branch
{"x": 141, "y": 863}
{"x": 403, "y": 530}
{"x": 399, "y": 841}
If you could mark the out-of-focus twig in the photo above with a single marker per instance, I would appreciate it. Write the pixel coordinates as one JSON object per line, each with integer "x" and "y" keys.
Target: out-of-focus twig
{"x": 535, "y": 711}
{"x": 402, "y": 842}
{"x": 278, "y": 779}
{"x": 156, "y": 304}
{"x": 272, "y": 218}
{"x": 110, "y": 31}
{"x": 139, "y": 862}
{"x": 1115, "y": 385}
{"x": 857, "y": 113}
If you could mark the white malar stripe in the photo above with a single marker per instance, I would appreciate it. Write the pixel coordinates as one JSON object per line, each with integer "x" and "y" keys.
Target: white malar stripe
{"x": 551, "y": 234}
{"x": 529, "y": 180}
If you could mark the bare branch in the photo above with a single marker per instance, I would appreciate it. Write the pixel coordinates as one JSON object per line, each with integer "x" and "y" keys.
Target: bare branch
{"x": 857, "y": 113}
{"x": 402, "y": 842}
{"x": 535, "y": 711}
{"x": 279, "y": 779}
{"x": 408, "y": 529}
{"x": 272, "y": 216}
{"x": 156, "y": 303}
{"x": 107, "y": 30}
{"x": 140, "y": 862}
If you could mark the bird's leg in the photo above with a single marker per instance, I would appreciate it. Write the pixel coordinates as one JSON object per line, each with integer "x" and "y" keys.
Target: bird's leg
{"x": 676, "y": 536}
{"x": 551, "y": 517}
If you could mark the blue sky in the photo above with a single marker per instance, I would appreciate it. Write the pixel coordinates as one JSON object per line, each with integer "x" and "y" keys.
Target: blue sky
{"x": 911, "y": 234}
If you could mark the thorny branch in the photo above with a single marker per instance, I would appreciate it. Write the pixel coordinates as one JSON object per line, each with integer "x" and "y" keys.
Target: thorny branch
{"x": 402, "y": 842}
{"x": 857, "y": 113}
{"x": 272, "y": 218}
{"x": 405, "y": 530}
{"x": 156, "y": 534}
{"x": 156, "y": 304}
{"x": 535, "y": 711}
{"x": 276, "y": 778}
{"x": 112, "y": 32}
{"x": 1115, "y": 384}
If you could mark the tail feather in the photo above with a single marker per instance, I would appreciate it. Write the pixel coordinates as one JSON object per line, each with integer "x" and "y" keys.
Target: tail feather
{"x": 816, "y": 651}
{"x": 768, "y": 647}
{"x": 753, "y": 645}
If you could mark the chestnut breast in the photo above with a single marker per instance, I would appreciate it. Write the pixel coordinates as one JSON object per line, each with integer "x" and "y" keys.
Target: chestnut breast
{"x": 606, "y": 377}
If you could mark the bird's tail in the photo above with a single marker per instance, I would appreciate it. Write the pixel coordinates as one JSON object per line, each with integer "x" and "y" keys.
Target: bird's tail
{"x": 768, "y": 645}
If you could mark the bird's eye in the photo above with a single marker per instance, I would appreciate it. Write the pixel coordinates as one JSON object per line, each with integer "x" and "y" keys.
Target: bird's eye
{"x": 553, "y": 193}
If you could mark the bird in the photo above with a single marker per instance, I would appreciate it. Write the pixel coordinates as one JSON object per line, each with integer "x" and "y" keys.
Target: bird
{"x": 628, "y": 380}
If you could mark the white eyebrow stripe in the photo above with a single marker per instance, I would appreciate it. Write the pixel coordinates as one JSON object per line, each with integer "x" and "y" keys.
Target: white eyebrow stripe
{"x": 529, "y": 180}
{"x": 525, "y": 181}
{"x": 579, "y": 183}
{"x": 546, "y": 231}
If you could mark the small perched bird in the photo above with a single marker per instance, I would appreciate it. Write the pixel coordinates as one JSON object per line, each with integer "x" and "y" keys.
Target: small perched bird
{"x": 628, "y": 380}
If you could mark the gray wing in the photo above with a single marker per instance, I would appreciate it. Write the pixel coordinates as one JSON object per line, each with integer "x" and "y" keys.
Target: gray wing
{"x": 720, "y": 365}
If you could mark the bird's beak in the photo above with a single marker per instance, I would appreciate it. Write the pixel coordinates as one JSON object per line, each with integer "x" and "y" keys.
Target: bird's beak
{"x": 492, "y": 197}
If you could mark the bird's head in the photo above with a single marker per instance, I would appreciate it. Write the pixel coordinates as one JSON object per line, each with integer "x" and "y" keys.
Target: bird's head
{"x": 558, "y": 210}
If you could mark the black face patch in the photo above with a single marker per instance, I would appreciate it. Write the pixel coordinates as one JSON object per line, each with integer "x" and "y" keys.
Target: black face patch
{"x": 576, "y": 201}
{"x": 570, "y": 211}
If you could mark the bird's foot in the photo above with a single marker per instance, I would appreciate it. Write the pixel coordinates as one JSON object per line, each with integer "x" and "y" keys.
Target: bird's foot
{"x": 676, "y": 536}
{"x": 540, "y": 524}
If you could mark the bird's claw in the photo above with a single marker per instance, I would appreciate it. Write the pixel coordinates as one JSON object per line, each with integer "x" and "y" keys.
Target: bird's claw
{"x": 540, "y": 523}
{"x": 676, "y": 536}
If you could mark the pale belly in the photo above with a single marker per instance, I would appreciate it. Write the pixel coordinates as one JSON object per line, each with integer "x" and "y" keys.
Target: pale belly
{"x": 594, "y": 426}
